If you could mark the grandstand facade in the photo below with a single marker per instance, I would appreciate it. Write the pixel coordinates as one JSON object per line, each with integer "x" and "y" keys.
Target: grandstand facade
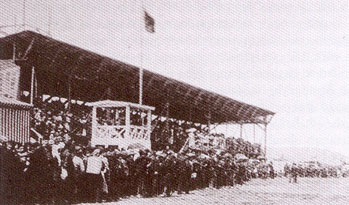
{"x": 72, "y": 73}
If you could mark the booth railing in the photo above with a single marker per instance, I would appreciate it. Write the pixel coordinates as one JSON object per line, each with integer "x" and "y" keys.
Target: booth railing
{"x": 133, "y": 130}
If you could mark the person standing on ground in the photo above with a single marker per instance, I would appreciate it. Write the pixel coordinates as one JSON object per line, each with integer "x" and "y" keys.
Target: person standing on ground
{"x": 93, "y": 176}
{"x": 79, "y": 173}
{"x": 271, "y": 170}
{"x": 294, "y": 173}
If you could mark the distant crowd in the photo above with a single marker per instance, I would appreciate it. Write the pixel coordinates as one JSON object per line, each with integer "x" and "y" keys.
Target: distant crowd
{"x": 62, "y": 173}
{"x": 313, "y": 169}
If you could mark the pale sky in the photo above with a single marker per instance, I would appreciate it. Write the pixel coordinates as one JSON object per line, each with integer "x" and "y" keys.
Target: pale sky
{"x": 290, "y": 57}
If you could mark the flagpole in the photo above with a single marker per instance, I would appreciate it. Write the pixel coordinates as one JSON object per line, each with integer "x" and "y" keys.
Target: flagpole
{"x": 141, "y": 66}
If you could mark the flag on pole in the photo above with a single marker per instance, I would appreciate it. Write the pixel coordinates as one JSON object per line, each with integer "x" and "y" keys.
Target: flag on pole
{"x": 149, "y": 22}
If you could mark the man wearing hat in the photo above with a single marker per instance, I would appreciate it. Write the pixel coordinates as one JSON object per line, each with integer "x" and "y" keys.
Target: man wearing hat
{"x": 94, "y": 179}
{"x": 184, "y": 170}
{"x": 79, "y": 172}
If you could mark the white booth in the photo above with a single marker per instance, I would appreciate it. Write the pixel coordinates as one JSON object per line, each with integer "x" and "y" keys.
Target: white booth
{"x": 120, "y": 123}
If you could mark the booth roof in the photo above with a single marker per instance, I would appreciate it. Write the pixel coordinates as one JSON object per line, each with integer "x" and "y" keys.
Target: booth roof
{"x": 63, "y": 69}
{"x": 110, "y": 103}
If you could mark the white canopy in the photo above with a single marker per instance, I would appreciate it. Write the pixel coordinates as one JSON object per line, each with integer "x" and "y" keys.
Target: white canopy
{"x": 110, "y": 103}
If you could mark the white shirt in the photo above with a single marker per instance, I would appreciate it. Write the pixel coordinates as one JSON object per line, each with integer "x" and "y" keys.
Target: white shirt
{"x": 94, "y": 165}
{"x": 105, "y": 162}
{"x": 78, "y": 163}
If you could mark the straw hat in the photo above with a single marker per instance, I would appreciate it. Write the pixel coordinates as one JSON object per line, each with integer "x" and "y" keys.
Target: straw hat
{"x": 96, "y": 152}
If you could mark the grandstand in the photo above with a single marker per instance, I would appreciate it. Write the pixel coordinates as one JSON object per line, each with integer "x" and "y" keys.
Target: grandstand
{"x": 69, "y": 72}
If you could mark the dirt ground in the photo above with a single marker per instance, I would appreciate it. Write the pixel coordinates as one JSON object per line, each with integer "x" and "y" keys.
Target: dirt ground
{"x": 278, "y": 191}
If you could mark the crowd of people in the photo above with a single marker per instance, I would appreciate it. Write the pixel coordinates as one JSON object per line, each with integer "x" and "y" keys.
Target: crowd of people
{"x": 52, "y": 119}
{"x": 61, "y": 172}
{"x": 313, "y": 169}
{"x": 245, "y": 147}
{"x": 62, "y": 169}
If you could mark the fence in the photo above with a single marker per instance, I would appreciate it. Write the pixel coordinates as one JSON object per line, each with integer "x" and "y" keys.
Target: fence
{"x": 15, "y": 120}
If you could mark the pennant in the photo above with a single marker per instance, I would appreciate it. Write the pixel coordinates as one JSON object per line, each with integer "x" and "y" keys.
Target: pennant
{"x": 149, "y": 22}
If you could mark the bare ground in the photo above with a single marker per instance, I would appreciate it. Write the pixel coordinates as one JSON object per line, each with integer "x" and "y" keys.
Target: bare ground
{"x": 257, "y": 192}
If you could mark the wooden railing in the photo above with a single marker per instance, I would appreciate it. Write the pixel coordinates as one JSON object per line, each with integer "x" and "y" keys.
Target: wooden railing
{"x": 119, "y": 131}
{"x": 109, "y": 131}
{"x": 139, "y": 132}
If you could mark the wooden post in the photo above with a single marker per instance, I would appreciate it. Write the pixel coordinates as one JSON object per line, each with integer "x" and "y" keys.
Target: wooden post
{"x": 1, "y": 125}
{"x": 20, "y": 126}
{"x": 15, "y": 125}
{"x": 69, "y": 90}
{"x": 28, "y": 126}
{"x": 265, "y": 140}
{"x": 11, "y": 124}
{"x": 27, "y": 138}
{"x": 23, "y": 127}
{"x": 141, "y": 66}
{"x": 32, "y": 86}
{"x": 116, "y": 119}
{"x": 141, "y": 85}
{"x": 20, "y": 122}
{"x": 128, "y": 121}
{"x": 94, "y": 125}
{"x": 149, "y": 123}
{"x": 254, "y": 133}
{"x": 6, "y": 123}
{"x": 240, "y": 130}
{"x": 14, "y": 122}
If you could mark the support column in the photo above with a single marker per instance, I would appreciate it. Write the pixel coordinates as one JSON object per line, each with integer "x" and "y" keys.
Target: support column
{"x": 208, "y": 117}
{"x": 148, "y": 124}
{"x": 254, "y": 133}
{"x": 265, "y": 139}
{"x": 15, "y": 125}
{"x": 12, "y": 125}
{"x": 69, "y": 90}
{"x": 28, "y": 126}
{"x": 240, "y": 130}
{"x": 94, "y": 125}
{"x": 21, "y": 126}
{"x": 32, "y": 86}
{"x": 1, "y": 125}
{"x": 128, "y": 122}
{"x": 167, "y": 126}
{"x": 7, "y": 123}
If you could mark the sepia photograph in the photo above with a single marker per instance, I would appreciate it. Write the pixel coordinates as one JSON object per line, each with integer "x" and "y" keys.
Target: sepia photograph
{"x": 166, "y": 102}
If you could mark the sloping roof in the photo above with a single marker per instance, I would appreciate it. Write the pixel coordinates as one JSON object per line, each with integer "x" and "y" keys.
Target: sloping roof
{"x": 95, "y": 77}
{"x": 9, "y": 102}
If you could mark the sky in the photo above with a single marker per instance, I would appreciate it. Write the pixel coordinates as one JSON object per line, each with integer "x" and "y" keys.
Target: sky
{"x": 290, "y": 57}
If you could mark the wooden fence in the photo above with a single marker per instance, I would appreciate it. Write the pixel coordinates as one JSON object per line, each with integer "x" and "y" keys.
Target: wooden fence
{"x": 15, "y": 120}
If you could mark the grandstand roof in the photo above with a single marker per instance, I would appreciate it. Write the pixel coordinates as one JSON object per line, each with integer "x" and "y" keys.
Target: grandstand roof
{"x": 95, "y": 77}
